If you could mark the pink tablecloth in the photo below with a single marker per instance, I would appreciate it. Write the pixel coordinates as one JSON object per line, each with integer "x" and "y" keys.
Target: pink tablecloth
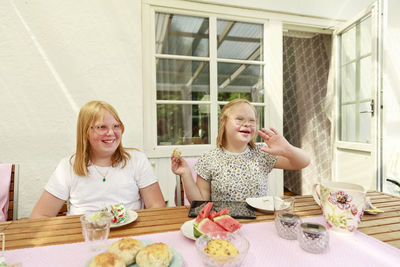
{"x": 267, "y": 249}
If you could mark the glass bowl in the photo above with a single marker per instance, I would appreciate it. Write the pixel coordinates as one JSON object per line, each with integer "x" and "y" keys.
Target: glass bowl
{"x": 240, "y": 242}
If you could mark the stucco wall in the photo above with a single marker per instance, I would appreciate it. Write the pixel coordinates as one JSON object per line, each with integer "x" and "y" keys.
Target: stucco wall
{"x": 57, "y": 55}
{"x": 391, "y": 90}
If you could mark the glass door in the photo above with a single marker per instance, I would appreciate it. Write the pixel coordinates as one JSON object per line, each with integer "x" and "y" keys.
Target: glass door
{"x": 357, "y": 128}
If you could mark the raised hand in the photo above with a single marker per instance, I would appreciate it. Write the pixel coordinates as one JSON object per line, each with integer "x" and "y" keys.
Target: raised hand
{"x": 277, "y": 143}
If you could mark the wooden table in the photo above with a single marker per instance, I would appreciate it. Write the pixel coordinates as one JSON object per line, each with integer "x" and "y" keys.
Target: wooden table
{"x": 27, "y": 233}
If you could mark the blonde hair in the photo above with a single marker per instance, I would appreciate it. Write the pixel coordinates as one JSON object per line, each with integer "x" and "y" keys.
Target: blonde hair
{"x": 224, "y": 118}
{"x": 88, "y": 115}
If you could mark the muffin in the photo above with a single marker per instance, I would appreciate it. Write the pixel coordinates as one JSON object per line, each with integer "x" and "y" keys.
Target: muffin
{"x": 106, "y": 259}
{"x": 126, "y": 249}
{"x": 154, "y": 255}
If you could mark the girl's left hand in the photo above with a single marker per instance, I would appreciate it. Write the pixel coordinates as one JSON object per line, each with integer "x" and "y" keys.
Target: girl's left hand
{"x": 277, "y": 143}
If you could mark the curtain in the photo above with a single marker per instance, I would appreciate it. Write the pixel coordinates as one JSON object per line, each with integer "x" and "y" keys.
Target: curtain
{"x": 306, "y": 124}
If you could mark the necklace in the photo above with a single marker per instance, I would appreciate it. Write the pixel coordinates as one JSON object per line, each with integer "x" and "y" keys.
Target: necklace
{"x": 104, "y": 176}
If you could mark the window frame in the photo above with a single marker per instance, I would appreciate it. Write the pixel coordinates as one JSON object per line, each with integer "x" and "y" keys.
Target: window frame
{"x": 358, "y": 101}
{"x": 273, "y": 31}
{"x": 151, "y": 146}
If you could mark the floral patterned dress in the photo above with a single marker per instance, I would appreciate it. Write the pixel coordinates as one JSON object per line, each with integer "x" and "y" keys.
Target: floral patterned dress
{"x": 236, "y": 176}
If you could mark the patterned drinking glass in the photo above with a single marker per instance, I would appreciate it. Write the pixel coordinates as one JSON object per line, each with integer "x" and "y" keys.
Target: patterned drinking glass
{"x": 313, "y": 237}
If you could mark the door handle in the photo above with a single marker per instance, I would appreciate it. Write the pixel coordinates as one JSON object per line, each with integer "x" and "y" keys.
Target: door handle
{"x": 372, "y": 108}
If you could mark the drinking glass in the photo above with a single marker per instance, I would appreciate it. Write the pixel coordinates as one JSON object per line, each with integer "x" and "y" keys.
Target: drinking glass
{"x": 95, "y": 229}
{"x": 313, "y": 237}
{"x": 286, "y": 225}
{"x": 284, "y": 204}
{"x": 286, "y": 222}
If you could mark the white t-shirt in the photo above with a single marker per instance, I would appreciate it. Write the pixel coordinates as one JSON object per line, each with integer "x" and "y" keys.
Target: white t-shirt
{"x": 87, "y": 194}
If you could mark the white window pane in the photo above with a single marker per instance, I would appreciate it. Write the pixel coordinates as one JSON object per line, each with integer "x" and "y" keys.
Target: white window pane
{"x": 365, "y": 123}
{"x": 365, "y": 36}
{"x": 242, "y": 80}
{"x": 348, "y": 123}
{"x": 182, "y": 124}
{"x": 349, "y": 45}
{"x": 349, "y": 82}
{"x": 365, "y": 78}
{"x": 182, "y": 79}
{"x": 239, "y": 40}
{"x": 181, "y": 35}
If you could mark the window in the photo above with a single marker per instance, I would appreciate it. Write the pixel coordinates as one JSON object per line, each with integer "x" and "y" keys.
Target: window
{"x": 202, "y": 62}
{"x": 356, "y": 102}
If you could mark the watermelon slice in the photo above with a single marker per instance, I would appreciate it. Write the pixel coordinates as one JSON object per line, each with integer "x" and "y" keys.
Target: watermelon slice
{"x": 222, "y": 212}
{"x": 208, "y": 221}
{"x": 204, "y": 212}
{"x": 228, "y": 223}
{"x": 206, "y": 226}
{"x": 212, "y": 215}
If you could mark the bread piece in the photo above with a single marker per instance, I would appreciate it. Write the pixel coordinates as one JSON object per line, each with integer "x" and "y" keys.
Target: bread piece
{"x": 106, "y": 259}
{"x": 176, "y": 153}
{"x": 219, "y": 247}
{"x": 154, "y": 255}
{"x": 126, "y": 249}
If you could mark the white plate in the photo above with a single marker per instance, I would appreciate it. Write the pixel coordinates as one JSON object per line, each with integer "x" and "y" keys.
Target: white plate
{"x": 131, "y": 217}
{"x": 187, "y": 229}
{"x": 265, "y": 204}
{"x": 177, "y": 260}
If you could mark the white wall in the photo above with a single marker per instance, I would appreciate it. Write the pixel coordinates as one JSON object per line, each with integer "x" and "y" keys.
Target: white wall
{"x": 338, "y": 9}
{"x": 57, "y": 55}
{"x": 391, "y": 84}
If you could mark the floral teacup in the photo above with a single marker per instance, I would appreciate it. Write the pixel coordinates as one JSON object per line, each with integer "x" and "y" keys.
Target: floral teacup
{"x": 342, "y": 205}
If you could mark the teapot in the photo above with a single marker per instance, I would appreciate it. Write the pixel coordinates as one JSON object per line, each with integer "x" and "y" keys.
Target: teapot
{"x": 342, "y": 204}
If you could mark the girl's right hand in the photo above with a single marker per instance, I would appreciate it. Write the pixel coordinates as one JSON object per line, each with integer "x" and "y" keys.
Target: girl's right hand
{"x": 179, "y": 166}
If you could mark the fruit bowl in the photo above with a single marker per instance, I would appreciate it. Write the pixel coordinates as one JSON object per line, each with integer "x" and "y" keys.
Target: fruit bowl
{"x": 219, "y": 256}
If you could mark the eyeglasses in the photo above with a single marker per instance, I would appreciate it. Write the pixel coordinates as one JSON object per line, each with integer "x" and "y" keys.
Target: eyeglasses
{"x": 103, "y": 129}
{"x": 242, "y": 121}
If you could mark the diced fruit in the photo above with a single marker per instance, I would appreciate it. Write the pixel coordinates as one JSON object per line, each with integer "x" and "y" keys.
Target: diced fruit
{"x": 228, "y": 223}
{"x": 206, "y": 226}
{"x": 204, "y": 212}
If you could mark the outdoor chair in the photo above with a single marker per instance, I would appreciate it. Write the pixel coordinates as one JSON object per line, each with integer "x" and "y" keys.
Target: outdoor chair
{"x": 180, "y": 196}
{"x": 9, "y": 174}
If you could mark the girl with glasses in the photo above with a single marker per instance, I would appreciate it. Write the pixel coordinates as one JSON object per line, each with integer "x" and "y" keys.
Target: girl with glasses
{"x": 238, "y": 168}
{"x": 101, "y": 172}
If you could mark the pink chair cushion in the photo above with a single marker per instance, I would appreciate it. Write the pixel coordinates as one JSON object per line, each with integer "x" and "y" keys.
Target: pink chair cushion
{"x": 5, "y": 177}
{"x": 191, "y": 162}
